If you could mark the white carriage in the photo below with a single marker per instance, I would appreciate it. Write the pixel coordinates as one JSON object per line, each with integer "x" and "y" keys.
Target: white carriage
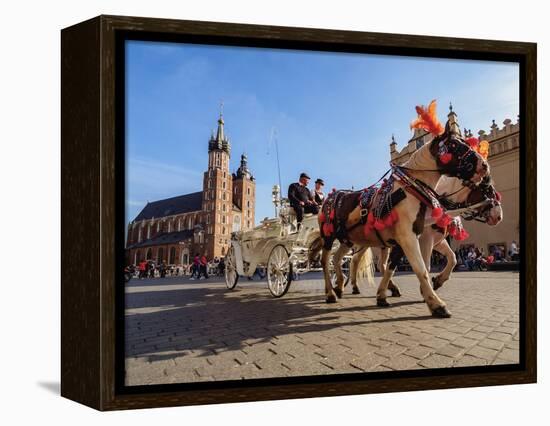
{"x": 279, "y": 247}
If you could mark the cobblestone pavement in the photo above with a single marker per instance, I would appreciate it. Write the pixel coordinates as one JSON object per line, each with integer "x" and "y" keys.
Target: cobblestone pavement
{"x": 180, "y": 331}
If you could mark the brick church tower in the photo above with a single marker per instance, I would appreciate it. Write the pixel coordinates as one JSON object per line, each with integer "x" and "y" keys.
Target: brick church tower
{"x": 244, "y": 188}
{"x": 217, "y": 194}
{"x": 175, "y": 229}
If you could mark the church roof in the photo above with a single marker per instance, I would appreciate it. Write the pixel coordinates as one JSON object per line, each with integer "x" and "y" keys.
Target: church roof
{"x": 165, "y": 238}
{"x": 172, "y": 206}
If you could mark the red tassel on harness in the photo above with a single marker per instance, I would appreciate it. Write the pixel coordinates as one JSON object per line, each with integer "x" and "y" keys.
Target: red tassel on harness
{"x": 328, "y": 229}
{"x": 444, "y": 221}
{"x": 388, "y": 220}
{"x": 437, "y": 212}
{"x": 370, "y": 218}
{"x": 462, "y": 235}
{"x": 322, "y": 217}
{"x": 331, "y": 215}
{"x": 445, "y": 158}
{"x": 379, "y": 225}
{"x": 498, "y": 196}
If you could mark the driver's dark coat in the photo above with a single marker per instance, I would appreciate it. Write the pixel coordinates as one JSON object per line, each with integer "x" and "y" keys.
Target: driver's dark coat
{"x": 297, "y": 193}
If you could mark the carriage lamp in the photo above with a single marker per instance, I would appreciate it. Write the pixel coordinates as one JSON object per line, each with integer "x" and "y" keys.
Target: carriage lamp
{"x": 276, "y": 197}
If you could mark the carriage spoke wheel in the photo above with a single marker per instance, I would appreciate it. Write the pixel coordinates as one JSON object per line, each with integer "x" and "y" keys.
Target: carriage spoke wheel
{"x": 279, "y": 271}
{"x": 231, "y": 275}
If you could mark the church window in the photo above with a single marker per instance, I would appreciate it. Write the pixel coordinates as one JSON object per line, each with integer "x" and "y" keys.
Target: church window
{"x": 223, "y": 207}
{"x": 158, "y": 226}
{"x": 223, "y": 230}
{"x": 169, "y": 226}
{"x": 248, "y": 191}
{"x": 223, "y": 196}
{"x": 148, "y": 231}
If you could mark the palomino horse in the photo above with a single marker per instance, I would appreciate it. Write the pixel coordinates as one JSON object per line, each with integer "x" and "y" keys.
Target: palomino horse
{"x": 481, "y": 203}
{"x": 343, "y": 216}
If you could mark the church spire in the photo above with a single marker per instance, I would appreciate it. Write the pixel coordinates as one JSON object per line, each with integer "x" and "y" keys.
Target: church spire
{"x": 220, "y": 141}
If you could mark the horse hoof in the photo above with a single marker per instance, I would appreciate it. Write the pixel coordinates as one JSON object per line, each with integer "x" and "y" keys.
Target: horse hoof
{"x": 355, "y": 291}
{"x": 331, "y": 299}
{"x": 382, "y": 303}
{"x": 436, "y": 284}
{"x": 441, "y": 312}
{"x": 395, "y": 292}
{"x": 338, "y": 292}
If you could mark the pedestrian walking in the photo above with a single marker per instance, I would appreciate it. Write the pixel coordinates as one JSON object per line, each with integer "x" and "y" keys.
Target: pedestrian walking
{"x": 203, "y": 266}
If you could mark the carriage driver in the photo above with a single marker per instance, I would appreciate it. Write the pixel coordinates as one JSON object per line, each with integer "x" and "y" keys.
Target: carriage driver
{"x": 300, "y": 198}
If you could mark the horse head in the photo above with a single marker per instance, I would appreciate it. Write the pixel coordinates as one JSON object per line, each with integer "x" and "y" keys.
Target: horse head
{"x": 488, "y": 200}
{"x": 455, "y": 157}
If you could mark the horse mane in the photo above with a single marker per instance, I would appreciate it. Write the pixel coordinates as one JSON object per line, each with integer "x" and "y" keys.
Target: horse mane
{"x": 422, "y": 159}
{"x": 452, "y": 185}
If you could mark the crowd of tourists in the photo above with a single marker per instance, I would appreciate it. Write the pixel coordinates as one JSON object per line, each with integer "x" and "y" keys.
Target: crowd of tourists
{"x": 474, "y": 258}
{"x": 200, "y": 268}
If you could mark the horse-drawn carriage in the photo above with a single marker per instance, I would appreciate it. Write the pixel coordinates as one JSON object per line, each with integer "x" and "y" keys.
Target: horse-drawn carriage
{"x": 279, "y": 245}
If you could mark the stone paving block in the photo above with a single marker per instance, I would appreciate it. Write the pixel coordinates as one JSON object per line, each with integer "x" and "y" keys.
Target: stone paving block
{"x": 464, "y": 342}
{"x": 492, "y": 344}
{"x": 509, "y": 354}
{"x": 368, "y": 362}
{"x": 483, "y": 353}
{"x": 450, "y": 350}
{"x": 420, "y": 352}
{"x": 402, "y": 362}
{"x": 503, "y": 337}
{"x": 469, "y": 361}
{"x": 436, "y": 361}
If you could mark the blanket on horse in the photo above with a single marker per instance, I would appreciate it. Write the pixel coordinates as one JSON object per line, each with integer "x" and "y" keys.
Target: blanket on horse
{"x": 376, "y": 207}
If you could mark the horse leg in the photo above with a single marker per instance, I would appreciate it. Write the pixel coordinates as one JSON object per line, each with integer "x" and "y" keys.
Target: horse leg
{"x": 382, "y": 265}
{"x": 337, "y": 263}
{"x": 355, "y": 260}
{"x": 329, "y": 292}
{"x": 411, "y": 248}
{"x": 444, "y": 248}
{"x": 389, "y": 269}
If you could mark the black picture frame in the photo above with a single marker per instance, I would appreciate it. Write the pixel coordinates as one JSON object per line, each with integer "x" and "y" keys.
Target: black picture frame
{"x": 92, "y": 298}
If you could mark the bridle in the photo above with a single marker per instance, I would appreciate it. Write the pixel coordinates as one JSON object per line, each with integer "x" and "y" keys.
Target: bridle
{"x": 478, "y": 211}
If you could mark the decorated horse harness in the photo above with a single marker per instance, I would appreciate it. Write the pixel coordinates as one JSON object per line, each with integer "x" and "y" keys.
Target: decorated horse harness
{"x": 377, "y": 204}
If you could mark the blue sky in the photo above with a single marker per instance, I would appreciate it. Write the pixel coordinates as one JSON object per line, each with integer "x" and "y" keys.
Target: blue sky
{"x": 334, "y": 113}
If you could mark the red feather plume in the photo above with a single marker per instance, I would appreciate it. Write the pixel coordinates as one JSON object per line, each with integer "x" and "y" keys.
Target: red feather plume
{"x": 427, "y": 119}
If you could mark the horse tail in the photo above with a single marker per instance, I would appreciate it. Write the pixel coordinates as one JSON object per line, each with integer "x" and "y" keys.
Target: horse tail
{"x": 365, "y": 268}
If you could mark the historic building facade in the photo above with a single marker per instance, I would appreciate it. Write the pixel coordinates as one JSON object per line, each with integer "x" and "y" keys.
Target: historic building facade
{"x": 175, "y": 229}
{"x": 504, "y": 161}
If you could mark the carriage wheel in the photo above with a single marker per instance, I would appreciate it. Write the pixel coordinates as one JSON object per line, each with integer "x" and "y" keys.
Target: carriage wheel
{"x": 279, "y": 271}
{"x": 345, "y": 270}
{"x": 231, "y": 275}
